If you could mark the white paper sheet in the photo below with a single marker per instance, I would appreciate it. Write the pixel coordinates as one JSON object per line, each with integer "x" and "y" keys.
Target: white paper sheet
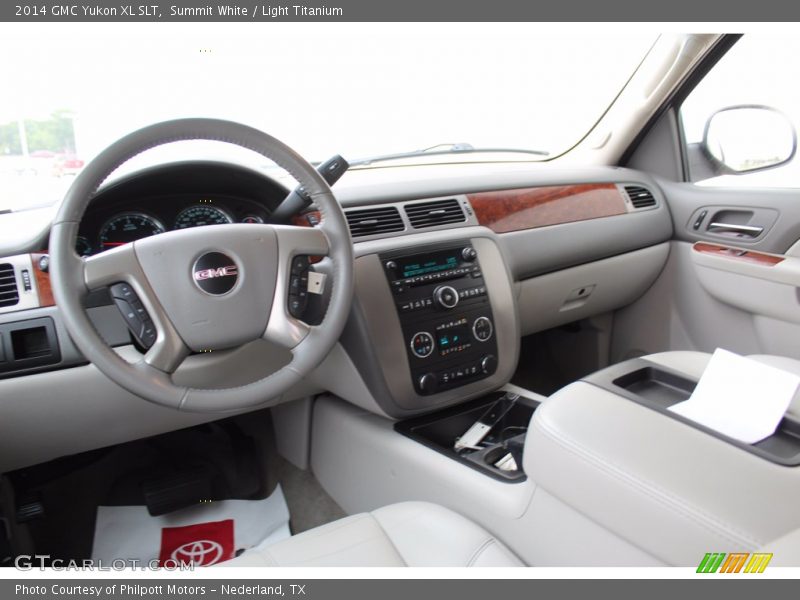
{"x": 130, "y": 532}
{"x": 740, "y": 397}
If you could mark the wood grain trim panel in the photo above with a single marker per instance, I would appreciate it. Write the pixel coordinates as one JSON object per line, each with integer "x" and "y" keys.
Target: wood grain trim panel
{"x": 42, "y": 281}
{"x": 765, "y": 260}
{"x": 515, "y": 210}
{"x": 303, "y": 219}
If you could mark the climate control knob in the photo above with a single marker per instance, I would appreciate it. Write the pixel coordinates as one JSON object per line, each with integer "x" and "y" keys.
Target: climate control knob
{"x": 482, "y": 329}
{"x": 488, "y": 364}
{"x": 445, "y": 296}
{"x": 422, "y": 344}
{"x": 428, "y": 383}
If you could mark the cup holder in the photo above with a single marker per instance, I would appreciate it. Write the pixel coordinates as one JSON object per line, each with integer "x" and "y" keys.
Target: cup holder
{"x": 440, "y": 431}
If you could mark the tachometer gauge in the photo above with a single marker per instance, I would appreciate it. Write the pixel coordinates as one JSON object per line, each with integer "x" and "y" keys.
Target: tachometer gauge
{"x": 82, "y": 246}
{"x": 196, "y": 216}
{"x": 128, "y": 227}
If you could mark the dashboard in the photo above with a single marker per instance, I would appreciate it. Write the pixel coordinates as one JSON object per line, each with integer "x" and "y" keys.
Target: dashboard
{"x": 450, "y": 272}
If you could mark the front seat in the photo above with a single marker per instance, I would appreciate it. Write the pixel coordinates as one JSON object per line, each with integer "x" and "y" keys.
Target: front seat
{"x": 412, "y": 534}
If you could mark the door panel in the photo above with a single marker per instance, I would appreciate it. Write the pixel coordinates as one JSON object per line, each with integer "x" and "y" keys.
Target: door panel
{"x": 694, "y": 306}
{"x": 722, "y": 288}
{"x": 733, "y": 276}
{"x": 775, "y": 211}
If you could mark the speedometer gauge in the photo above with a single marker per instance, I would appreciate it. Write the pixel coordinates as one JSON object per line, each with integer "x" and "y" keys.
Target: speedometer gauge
{"x": 124, "y": 228}
{"x": 196, "y": 216}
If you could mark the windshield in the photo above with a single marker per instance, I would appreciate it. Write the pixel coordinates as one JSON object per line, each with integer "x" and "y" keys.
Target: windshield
{"x": 357, "y": 90}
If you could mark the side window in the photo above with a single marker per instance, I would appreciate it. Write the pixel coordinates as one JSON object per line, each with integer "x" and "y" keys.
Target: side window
{"x": 739, "y": 122}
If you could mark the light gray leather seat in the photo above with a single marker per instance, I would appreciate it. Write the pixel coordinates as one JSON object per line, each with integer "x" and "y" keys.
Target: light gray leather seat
{"x": 414, "y": 534}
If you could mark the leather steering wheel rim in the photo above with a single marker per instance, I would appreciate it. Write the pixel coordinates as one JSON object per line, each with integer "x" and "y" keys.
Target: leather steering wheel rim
{"x": 73, "y": 277}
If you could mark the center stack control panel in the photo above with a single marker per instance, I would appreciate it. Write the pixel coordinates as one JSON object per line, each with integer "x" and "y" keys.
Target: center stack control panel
{"x": 448, "y": 329}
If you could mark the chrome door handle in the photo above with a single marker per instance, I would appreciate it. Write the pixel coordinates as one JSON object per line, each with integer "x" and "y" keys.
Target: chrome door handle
{"x": 750, "y": 230}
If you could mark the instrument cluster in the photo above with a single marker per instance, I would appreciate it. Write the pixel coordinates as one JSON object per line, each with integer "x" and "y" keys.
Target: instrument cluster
{"x": 151, "y": 216}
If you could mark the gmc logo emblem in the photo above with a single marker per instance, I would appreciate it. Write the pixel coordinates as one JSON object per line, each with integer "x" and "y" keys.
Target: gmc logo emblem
{"x": 228, "y": 271}
{"x": 215, "y": 273}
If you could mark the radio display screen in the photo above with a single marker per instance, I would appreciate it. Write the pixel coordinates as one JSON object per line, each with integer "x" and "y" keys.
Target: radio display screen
{"x": 422, "y": 264}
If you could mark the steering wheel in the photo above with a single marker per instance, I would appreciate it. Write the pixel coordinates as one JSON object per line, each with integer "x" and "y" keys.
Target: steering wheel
{"x": 208, "y": 287}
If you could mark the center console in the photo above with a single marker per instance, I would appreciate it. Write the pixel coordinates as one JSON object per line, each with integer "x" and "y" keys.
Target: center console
{"x": 496, "y": 451}
{"x": 446, "y": 318}
{"x": 434, "y": 322}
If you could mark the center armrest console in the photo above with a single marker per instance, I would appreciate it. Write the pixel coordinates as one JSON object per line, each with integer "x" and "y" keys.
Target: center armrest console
{"x": 608, "y": 447}
{"x": 659, "y": 387}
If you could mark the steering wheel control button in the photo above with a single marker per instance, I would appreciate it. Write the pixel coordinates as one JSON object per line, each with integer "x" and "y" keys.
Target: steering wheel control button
{"x": 123, "y": 291}
{"x": 299, "y": 265}
{"x": 422, "y": 344}
{"x": 446, "y": 296}
{"x": 298, "y": 286}
{"x": 148, "y": 336}
{"x": 134, "y": 313}
{"x": 482, "y": 329}
{"x": 215, "y": 273}
{"x": 297, "y": 306}
{"x": 298, "y": 283}
{"x": 129, "y": 314}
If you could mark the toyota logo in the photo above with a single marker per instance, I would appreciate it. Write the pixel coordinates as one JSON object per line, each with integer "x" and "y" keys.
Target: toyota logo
{"x": 201, "y": 553}
{"x": 215, "y": 273}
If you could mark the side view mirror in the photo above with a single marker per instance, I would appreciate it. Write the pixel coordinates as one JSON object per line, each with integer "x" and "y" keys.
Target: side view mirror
{"x": 747, "y": 138}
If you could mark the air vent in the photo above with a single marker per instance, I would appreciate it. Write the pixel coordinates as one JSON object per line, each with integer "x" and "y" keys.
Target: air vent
{"x": 374, "y": 221}
{"x": 431, "y": 214}
{"x": 640, "y": 197}
{"x": 9, "y": 295}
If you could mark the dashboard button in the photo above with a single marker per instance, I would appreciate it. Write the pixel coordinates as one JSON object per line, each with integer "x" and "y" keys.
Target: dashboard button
{"x": 422, "y": 344}
{"x": 482, "y": 329}
{"x": 428, "y": 383}
{"x": 446, "y": 296}
{"x": 489, "y": 364}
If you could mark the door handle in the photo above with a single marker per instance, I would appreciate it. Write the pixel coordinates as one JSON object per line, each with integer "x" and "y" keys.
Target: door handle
{"x": 748, "y": 230}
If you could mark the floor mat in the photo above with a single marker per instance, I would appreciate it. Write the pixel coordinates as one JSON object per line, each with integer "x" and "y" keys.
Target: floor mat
{"x": 205, "y": 534}
{"x": 310, "y": 505}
